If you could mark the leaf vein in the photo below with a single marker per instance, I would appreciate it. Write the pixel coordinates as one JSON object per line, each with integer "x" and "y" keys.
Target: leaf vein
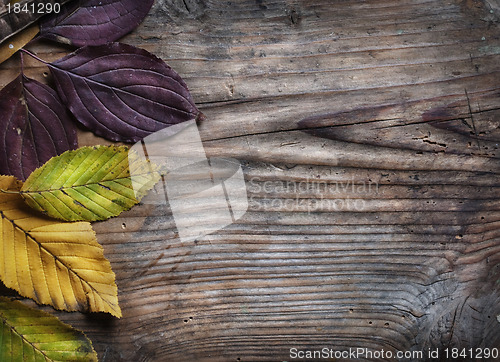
{"x": 89, "y": 80}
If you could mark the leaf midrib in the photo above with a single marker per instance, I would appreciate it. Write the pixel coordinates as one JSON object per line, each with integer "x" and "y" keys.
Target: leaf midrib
{"x": 22, "y": 336}
{"x": 114, "y": 88}
{"x": 73, "y": 186}
{"x": 28, "y": 234}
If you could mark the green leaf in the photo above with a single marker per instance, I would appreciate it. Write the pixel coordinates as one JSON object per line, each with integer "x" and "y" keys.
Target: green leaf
{"x": 90, "y": 183}
{"x": 32, "y": 335}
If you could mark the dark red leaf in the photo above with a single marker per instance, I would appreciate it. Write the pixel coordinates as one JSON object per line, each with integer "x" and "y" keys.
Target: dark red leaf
{"x": 94, "y": 22}
{"x": 121, "y": 92}
{"x": 34, "y": 126}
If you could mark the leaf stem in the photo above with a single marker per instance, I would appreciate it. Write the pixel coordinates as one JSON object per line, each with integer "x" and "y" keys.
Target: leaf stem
{"x": 33, "y": 56}
{"x": 9, "y": 192}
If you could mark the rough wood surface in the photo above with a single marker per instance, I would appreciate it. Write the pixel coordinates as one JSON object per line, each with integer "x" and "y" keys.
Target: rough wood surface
{"x": 368, "y": 134}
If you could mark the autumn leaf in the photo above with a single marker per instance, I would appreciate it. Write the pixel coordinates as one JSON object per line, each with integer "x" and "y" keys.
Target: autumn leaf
{"x": 121, "y": 92}
{"x": 16, "y": 42}
{"x": 28, "y": 335}
{"x": 91, "y": 183}
{"x": 94, "y": 22}
{"x": 34, "y": 127}
{"x": 55, "y": 263}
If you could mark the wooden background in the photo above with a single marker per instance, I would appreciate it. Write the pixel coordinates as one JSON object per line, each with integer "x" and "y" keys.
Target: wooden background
{"x": 401, "y": 95}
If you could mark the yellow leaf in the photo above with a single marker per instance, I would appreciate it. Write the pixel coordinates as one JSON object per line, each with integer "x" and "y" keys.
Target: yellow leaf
{"x": 10, "y": 46}
{"x": 52, "y": 262}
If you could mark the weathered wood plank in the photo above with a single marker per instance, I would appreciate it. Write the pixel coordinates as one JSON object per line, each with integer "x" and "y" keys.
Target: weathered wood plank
{"x": 368, "y": 134}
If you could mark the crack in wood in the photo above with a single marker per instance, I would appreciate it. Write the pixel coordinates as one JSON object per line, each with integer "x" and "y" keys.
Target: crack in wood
{"x": 472, "y": 119}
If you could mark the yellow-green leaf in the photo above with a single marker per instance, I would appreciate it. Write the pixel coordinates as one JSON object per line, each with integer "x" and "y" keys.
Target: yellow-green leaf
{"x": 90, "y": 183}
{"x": 52, "y": 262}
{"x": 32, "y": 335}
{"x": 9, "y": 47}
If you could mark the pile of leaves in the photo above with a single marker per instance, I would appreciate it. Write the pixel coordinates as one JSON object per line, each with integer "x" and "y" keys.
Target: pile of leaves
{"x": 50, "y": 190}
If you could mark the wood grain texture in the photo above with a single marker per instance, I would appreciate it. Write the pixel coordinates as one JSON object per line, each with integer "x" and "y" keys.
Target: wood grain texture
{"x": 368, "y": 133}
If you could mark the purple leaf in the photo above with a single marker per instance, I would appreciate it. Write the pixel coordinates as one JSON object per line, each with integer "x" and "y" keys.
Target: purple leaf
{"x": 34, "y": 127}
{"x": 94, "y": 22}
{"x": 121, "y": 92}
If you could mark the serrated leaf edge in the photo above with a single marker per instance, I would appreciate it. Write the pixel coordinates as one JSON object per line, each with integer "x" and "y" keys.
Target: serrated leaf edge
{"x": 139, "y": 190}
{"x": 46, "y": 315}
